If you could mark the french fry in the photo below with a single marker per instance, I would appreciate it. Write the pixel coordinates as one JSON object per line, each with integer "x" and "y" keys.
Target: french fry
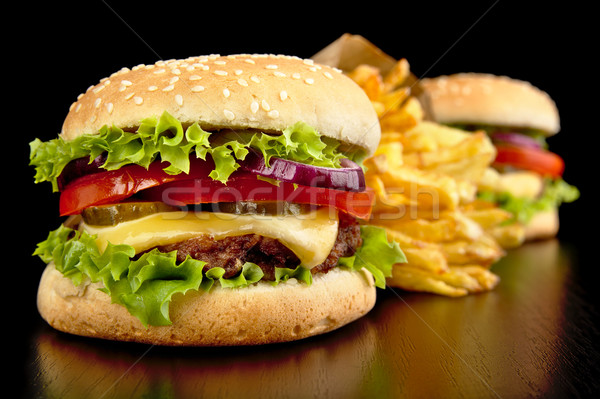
{"x": 369, "y": 79}
{"x": 456, "y": 282}
{"x": 397, "y": 76}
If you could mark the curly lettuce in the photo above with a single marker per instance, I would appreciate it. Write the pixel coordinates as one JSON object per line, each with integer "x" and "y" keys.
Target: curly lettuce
{"x": 376, "y": 254}
{"x": 165, "y": 138}
{"x": 145, "y": 285}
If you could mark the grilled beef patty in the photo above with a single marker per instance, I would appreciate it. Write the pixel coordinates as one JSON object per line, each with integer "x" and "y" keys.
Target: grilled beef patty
{"x": 232, "y": 252}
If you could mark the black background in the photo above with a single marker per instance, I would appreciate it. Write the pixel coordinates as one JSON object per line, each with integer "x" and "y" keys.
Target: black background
{"x": 55, "y": 50}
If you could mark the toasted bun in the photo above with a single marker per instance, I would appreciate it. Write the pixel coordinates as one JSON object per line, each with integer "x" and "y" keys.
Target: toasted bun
{"x": 258, "y": 314}
{"x": 542, "y": 226}
{"x": 475, "y": 98}
{"x": 265, "y": 92}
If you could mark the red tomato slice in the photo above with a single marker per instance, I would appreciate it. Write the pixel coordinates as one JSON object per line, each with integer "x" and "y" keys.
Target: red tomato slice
{"x": 196, "y": 187}
{"x": 116, "y": 185}
{"x": 535, "y": 159}
{"x": 246, "y": 187}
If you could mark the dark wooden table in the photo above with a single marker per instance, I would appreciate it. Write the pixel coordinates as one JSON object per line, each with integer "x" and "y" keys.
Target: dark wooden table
{"x": 534, "y": 336}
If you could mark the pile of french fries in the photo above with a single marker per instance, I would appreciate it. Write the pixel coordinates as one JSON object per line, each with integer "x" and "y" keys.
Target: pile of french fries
{"x": 425, "y": 178}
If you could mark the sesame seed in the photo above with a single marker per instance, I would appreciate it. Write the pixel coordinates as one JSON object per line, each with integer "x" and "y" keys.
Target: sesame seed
{"x": 220, "y": 62}
{"x": 175, "y": 71}
{"x": 308, "y": 61}
{"x": 205, "y": 67}
{"x": 265, "y": 105}
{"x": 174, "y": 79}
{"x": 98, "y": 89}
{"x": 249, "y": 61}
{"x": 152, "y": 88}
{"x": 313, "y": 69}
{"x": 309, "y": 81}
{"x": 122, "y": 88}
{"x": 228, "y": 114}
{"x": 138, "y": 100}
{"x": 273, "y": 114}
{"x": 126, "y": 83}
{"x": 271, "y": 66}
{"x": 226, "y": 93}
{"x": 78, "y": 107}
{"x": 159, "y": 71}
{"x": 238, "y": 72}
{"x": 168, "y": 88}
{"x": 255, "y": 79}
{"x": 97, "y": 102}
{"x": 254, "y": 107}
{"x": 179, "y": 99}
{"x": 109, "y": 108}
{"x": 296, "y": 75}
{"x": 221, "y": 73}
{"x": 283, "y": 95}
{"x": 279, "y": 74}
{"x": 79, "y": 96}
{"x": 127, "y": 97}
{"x": 190, "y": 68}
{"x": 328, "y": 75}
{"x": 242, "y": 82}
{"x": 195, "y": 77}
{"x": 197, "y": 89}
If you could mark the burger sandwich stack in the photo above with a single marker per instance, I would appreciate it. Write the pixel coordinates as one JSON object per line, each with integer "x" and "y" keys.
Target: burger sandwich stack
{"x": 213, "y": 200}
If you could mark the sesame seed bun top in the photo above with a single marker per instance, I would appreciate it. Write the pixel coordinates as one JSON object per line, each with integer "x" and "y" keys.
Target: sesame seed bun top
{"x": 244, "y": 91}
{"x": 476, "y": 98}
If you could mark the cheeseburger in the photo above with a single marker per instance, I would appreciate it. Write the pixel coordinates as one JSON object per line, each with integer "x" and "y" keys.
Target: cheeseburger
{"x": 213, "y": 200}
{"x": 526, "y": 178}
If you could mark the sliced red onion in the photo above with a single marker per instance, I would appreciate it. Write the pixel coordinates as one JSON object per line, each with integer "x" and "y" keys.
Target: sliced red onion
{"x": 80, "y": 167}
{"x": 349, "y": 177}
{"x": 517, "y": 139}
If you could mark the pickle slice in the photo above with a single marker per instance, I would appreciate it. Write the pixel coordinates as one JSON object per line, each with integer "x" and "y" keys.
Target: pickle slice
{"x": 112, "y": 214}
{"x": 274, "y": 208}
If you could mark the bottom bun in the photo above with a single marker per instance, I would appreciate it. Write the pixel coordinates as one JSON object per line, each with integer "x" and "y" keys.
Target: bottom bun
{"x": 258, "y": 314}
{"x": 543, "y": 225}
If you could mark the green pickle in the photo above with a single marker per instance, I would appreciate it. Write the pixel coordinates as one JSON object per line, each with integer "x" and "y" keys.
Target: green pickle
{"x": 113, "y": 214}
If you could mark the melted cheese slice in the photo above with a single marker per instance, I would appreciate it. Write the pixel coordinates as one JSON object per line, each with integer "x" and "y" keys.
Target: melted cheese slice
{"x": 310, "y": 236}
{"x": 521, "y": 184}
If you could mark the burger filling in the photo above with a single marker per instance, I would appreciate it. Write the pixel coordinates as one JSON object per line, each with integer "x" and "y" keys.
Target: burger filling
{"x": 528, "y": 177}
{"x": 167, "y": 209}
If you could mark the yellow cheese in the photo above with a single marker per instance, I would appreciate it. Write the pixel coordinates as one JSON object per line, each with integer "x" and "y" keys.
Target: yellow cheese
{"x": 310, "y": 236}
{"x": 521, "y": 184}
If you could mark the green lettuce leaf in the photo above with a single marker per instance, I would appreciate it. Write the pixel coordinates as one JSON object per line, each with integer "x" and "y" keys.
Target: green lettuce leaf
{"x": 166, "y": 139}
{"x": 556, "y": 192}
{"x": 376, "y": 254}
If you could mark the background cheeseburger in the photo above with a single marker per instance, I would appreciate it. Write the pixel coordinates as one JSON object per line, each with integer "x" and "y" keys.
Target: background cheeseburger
{"x": 213, "y": 201}
{"x": 526, "y": 177}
